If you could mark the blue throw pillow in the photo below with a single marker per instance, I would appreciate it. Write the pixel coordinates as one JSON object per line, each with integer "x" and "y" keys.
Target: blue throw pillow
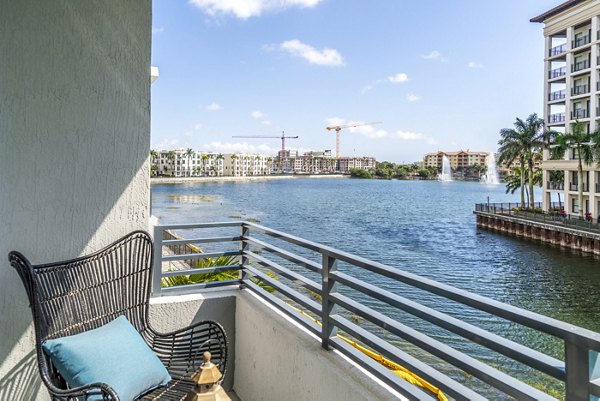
{"x": 115, "y": 354}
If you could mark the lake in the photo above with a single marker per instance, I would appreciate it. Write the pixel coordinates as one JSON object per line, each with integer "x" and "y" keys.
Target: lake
{"x": 424, "y": 227}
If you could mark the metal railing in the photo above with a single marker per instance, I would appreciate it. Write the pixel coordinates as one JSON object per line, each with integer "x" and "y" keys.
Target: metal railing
{"x": 580, "y": 65}
{"x": 323, "y": 281}
{"x": 557, "y": 217}
{"x": 558, "y": 95}
{"x": 579, "y": 113}
{"x": 556, "y": 118}
{"x": 580, "y": 90}
{"x": 556, "y": 50}
{"x": 582, "y": 40}
{"x": 575, "y": 187}
{"x": 558, "y": 72}
{"x": 555, "y": 185}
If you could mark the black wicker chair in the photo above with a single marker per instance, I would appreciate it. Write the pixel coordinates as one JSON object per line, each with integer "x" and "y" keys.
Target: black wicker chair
{"x": 77, "y": 295}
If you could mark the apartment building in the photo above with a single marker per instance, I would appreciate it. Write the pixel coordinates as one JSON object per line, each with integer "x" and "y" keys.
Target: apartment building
{"x": 458, "y": 160}
{"x": 571, "y": 92}
{"x": 320, "y": 162}
{"x": 178, "y": 163}
{"x": 244, "y": 164}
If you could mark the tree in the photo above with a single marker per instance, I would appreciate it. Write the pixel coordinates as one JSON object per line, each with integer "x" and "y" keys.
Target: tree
{"x": 521, "y": 144}
{"x": 205, "y": 158}
{"x": 586, "y": 146}
{"x": 171, "y": 156}
{"x": 189, "y": 153}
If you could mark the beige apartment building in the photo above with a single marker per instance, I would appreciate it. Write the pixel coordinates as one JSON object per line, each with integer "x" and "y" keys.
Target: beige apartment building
{"x": 571, "y": 92}
{"x": 458, "y": 160}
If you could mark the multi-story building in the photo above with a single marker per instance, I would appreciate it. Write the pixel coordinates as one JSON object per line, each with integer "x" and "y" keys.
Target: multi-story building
{"x": 178, "y": 163}
{"x": 319, "y": 162}
{"x": 458, "y": 160}
{"x": 571, "y": 93}
{"x": 345, "y": 164}
{"x": 243, "y": 164}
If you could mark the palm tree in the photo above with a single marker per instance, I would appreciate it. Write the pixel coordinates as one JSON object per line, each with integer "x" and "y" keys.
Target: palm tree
{"x": 189, "y": 153}
{"x": 521, "y": 144}
{"x": 234, "y": 158}
{"x": 171, "y": 155}
{"x": 586, "y": 146}
{"x": 205, "y": 157}
{"x": 220, "y": 157}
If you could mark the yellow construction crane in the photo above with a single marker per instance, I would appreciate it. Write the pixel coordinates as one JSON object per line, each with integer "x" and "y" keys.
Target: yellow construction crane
{"x": 338, "y": 128}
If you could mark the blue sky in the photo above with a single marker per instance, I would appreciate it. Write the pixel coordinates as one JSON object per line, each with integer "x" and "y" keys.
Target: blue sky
{"x": 438, "y": 74}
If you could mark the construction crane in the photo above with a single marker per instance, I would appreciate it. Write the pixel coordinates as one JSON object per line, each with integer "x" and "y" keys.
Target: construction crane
{"x": 338, "y": 128}
{"x": 282, "y": 137}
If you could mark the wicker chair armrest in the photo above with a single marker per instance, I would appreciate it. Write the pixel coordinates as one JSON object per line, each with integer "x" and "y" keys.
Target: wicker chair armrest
{"x": 83, "y": 392}
{"x": 182, "y": 350}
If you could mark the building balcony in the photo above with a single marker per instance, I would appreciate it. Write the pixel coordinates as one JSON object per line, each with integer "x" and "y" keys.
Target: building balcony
{"x": 558, "y": 50}
{"x": 597, "y": 188}
{"x": 580, "y": 90}
{"x": 580, "y": 113}
{"x": 556, "y": 118}
{"x": 581, "y": 41}
{"x": 575, "y": 187}
{"x": 293, "y": 323}
{"x": 558, "y": 95}
{"x": 557, "y": 72}
{"x": 559, "y": 186}
{"x": 580, "y": 65}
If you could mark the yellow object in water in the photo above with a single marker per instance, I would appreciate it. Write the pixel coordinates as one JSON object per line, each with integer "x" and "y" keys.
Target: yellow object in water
{"x": 393, "y": 366}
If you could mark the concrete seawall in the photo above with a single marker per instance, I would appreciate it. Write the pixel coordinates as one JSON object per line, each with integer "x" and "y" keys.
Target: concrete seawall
{"x": 564, "y": 237}
{"x": 183, "y": 180}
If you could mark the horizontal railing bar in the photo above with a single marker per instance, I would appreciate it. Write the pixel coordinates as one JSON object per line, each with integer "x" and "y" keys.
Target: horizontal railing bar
{"x": 200, "y": 240}
{"x": 299, "y": 260}
{"x": 402, "y": 386}
{"x": 287, "y": 291}
{"x": 478, "y": 369}
{"x": 235, "y": 223}
{"x": 199, "y": 286}
{"x": 511, "y": 349}
{"x": 283, "y": 307}
{"x": 199, "y": 256}
{"x": 200, "y": 270}
{"x": 285, "y": 272}
{"x": 530, "y": 319}
{"x": 426, "y": 372}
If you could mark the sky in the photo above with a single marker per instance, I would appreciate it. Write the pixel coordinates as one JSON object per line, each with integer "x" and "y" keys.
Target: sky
{"x": 435, "y": 74}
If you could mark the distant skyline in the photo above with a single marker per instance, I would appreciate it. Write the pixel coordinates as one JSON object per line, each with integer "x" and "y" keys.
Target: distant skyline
{"x": 443, "y": 76}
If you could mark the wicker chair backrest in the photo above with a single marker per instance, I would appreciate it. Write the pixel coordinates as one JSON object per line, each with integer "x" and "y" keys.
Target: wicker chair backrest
{"x": 78, "y": 295}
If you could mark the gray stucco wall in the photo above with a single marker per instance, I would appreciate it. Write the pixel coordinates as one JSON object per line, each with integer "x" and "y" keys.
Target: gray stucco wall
{"x": 74, "y": 142}
{"x": 275, "y": 360}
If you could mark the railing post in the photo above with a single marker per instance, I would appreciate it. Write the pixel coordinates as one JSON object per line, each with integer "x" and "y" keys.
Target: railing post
{"x": 328, "y": 286}
{"x": 244, "y": 247}
{"x": 157, "y": 264}
{"x": 578, "y": 372}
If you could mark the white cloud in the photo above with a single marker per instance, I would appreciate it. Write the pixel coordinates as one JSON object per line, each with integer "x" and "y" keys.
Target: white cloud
{"x": 188, "y": 133}
{"x": 198, "y": 126}
{"x": 474, "y": 64}
{"x": 257, "y": 114}
{"x": 326, "y": 57}
{"x": 371, "y": 132}
{"x": 238, "y": 147}
{"x": 166, "y": 144}
{"x": 435, "y": 56}
{"x": 245, "y": 9}
{"x": 398, "y": 78}
{"x": 158, "y": 30}
{"x": 213, "y": 107}
{"x": 412, "y": 98}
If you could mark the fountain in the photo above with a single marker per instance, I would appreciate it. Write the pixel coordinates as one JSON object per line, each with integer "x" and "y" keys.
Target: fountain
{"x": 491, "y": 177}
{"x": 446, "y": 170}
